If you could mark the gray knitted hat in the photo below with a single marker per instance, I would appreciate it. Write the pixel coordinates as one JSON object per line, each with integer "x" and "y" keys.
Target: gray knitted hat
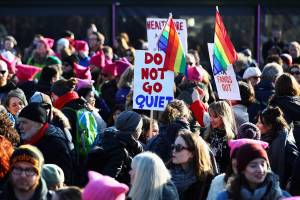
{"x": 130, "y": 121}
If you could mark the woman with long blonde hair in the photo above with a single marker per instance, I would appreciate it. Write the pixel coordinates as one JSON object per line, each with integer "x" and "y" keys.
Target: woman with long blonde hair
{"x": 150, "y": 179}
{"x": 220, "y": 130}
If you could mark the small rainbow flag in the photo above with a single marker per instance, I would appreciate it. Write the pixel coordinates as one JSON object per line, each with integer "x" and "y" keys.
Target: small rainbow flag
{"x": 170, "y": 43}
{"x": 224, "y": 52}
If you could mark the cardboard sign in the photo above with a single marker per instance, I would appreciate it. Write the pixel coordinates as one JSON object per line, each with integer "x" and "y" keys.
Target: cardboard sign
{"x": 153, "y": 87}
{"x": 226, "y": 83}
{"x": 155, "y": 27}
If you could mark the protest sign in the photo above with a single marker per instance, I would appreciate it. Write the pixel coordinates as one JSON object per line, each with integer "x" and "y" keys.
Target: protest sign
{"x": 155, "y": 27}
{"x": 153, "y": 86}
{"x": 226, "y": 83}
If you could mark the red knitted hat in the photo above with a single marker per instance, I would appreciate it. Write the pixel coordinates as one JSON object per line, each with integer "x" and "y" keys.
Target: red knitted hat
{"x": 249, "y": 152}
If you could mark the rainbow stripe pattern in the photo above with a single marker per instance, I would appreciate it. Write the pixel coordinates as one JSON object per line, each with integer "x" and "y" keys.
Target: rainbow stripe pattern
{"x": 224, "y": 52}
{"x": 170, "y": 43}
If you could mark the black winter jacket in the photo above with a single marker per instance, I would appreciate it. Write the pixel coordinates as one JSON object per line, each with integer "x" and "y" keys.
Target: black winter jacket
{"x": 114, "y": 154}
{"x": 55, "y": 148}
{"x": 161, "y": 144}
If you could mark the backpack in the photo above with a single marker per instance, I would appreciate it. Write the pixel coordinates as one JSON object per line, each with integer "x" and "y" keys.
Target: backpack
{"x": 86, "y": 130}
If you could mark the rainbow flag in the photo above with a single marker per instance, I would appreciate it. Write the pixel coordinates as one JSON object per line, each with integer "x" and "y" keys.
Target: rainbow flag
{"x": 224, "y": 52}
{"x": 170, "y": 43}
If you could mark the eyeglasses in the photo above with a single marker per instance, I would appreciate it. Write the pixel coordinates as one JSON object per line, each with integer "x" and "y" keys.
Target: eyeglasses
{"x": 178, "y": 147}
{"x": 295, "y": 73}
{"x": 2, "y": 72}
{"x": 28, "y": 171}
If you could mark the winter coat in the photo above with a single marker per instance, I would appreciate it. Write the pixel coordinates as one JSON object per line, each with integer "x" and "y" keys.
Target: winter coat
{"x": 76, "y": 104}
{"x": 161, "y": 144}
{"x": 217, "y": 185}
{"x": 282, "y": 153}
{"x": 108, "y": 92}
{"x": 55, "y": 148}
{"x": 263, "y": 91}
{"x": 113, "y": 155}
{"x": 41, "y": 192}
{"x": 269, "y": 190}
{"x": 220, "y": 149}
{"x": 295, "y": 179}
{"x": 290, "y": 106}
{"x": 188, "y": 185}
{"x": 121, "y": 95}
{"x": 169, "y": 191}
{"x": 240, "y": 114}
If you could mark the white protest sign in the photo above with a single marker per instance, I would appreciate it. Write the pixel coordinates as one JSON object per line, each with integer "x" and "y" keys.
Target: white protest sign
{"x": 155, "y": 27}
{"x": 153, "y": 87}
{"x": 226, "y": 83}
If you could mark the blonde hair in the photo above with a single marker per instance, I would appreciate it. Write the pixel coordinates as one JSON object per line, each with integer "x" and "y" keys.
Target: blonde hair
{"x": 150, "y": 176}
{"x": 222, "y": 109}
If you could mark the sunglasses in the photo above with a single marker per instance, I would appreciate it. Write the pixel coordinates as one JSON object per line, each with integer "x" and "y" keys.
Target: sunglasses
{"x": 295, "y": 73}
{"x": 2, "y": 72}
{"x": 178, "y": 147}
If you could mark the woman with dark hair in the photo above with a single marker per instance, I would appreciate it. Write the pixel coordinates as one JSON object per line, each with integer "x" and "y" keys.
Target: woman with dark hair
{"x": 49, "y": 75}
{"x": 82, "y": 121}
{"x": 191, "y": 166}
{"x": 147, "y": 134}
{"x": 89, "y": 95}
{"x": 219, "y": 183}
{"x": 287, "y": 91}
{"x": 254, "y": 179}
{"x": 283, "y": 151}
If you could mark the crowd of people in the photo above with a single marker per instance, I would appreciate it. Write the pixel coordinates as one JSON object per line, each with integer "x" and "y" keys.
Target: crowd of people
{"x": 68, "y": 130}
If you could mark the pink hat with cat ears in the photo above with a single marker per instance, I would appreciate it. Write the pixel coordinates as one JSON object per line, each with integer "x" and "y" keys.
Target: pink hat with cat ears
{"x": 235, "y": 144}
{"x": 104, "y": 188}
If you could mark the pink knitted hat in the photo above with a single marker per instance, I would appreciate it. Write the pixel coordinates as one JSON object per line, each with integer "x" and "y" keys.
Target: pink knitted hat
{"x": 82, "y": 83}
{"x": 104, "y": 188}
{"x": 81, "y": 45}
{"x": 82, "y": 72}
{"x": 26, "y": 72}
{"x": 235, "y": 144}
{"x": 98, "y": 60}
{"x": 48, "y": 42}
{"x": 122, "y": 65}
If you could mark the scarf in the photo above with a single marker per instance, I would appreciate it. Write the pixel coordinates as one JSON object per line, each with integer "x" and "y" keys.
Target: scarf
{"x": 183, "y": 178}
{"x": 268, "y": 190}
{"x": 38, "y": 136}
{"x": 64, "y": 99}
{"x": 218, "y": 142}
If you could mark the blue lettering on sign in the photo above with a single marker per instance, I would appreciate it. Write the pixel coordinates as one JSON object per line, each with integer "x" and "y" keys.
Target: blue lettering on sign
{"x": 152, "y": 101}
